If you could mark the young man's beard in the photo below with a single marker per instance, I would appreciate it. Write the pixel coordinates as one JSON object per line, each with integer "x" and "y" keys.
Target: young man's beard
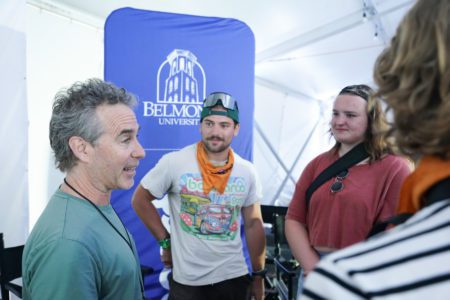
{"x": 216, "y": 149}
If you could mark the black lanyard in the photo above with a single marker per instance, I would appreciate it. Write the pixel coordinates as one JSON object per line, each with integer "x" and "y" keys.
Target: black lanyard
{"x": 127, "y": 239}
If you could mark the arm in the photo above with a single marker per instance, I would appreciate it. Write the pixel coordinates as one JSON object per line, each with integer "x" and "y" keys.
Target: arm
{"x": 296, "y": 218}
{"x": 300, "y": 246}
{"x": 256, "y": 242}
{"x": 147, "y": 212}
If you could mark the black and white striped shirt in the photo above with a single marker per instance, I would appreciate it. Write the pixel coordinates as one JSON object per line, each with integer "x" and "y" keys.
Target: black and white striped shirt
{"x": 411, "y": 261}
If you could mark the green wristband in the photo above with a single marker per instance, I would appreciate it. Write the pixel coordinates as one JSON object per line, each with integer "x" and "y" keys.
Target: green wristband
{"x": 164, "y": 243}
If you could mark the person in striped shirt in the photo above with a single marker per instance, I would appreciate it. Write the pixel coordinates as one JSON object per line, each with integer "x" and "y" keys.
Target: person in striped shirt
{"x": 412, "y": 260}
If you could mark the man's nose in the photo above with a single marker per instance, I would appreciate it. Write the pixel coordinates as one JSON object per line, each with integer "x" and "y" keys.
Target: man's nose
{"x": 139, "y": 152}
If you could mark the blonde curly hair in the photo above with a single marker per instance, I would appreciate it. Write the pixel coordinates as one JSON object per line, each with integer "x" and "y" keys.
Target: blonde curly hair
{"x": 413, "y": 76}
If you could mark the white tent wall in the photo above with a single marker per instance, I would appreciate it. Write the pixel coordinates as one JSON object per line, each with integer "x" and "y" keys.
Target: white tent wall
{"x": 289, "y": 131}
{"x": 14, "y": 126}
{"x": 60, "y": 51}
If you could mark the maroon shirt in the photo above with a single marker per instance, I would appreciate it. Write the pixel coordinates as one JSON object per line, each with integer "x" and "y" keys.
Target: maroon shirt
{"x": 337, "y": 220}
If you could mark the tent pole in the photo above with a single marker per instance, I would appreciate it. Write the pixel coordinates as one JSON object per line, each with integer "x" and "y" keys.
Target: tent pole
{"x": 289, "y": 173}
{"x": 269, "y": 145}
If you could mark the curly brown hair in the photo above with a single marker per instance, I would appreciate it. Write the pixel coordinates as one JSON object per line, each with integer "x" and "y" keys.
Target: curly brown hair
{"x": 413, "y": 76}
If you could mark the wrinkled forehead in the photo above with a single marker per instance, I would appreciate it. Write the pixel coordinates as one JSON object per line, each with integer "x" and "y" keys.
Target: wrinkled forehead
{"x": 117, "y": 118}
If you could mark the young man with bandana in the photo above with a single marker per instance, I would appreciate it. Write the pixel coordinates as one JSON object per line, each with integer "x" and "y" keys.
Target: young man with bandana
{"x": 209, "y": 188}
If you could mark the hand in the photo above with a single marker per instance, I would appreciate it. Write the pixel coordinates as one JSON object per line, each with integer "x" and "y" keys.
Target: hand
{"x": 257, "y": 288}
{"x": 306, "y": 271}
{"x": 166, "y": 258}
{"x": 308, "y": 266}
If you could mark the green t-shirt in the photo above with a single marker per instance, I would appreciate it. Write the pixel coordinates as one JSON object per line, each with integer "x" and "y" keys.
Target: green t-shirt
{"x": 74, "y": 253}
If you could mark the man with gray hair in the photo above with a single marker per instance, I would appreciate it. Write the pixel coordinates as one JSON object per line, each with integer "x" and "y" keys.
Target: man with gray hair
{"x": 79, "y": 248}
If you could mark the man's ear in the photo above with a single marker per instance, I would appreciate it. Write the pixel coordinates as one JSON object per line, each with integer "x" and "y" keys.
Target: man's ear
{"x": 236, "y": 129}
{"x": 79, "y": 147}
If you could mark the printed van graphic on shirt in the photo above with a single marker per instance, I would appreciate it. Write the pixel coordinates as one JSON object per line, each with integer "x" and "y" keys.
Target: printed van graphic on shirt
{"x": 212, "y": 216}
{"x": 145, "y": 51}
{"x": 180, "y": 90}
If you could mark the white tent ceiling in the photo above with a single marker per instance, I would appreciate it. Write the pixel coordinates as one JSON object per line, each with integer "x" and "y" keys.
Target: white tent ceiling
{"x": 329, "y": 43}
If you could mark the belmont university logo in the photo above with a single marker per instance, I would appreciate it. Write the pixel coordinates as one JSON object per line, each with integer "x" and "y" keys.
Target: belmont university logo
{"x": 180, "y": 90}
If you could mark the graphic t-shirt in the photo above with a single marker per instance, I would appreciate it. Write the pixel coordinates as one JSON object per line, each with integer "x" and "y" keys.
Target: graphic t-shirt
{"x": 205, "y": 229}
{"x": 212, "y": 216}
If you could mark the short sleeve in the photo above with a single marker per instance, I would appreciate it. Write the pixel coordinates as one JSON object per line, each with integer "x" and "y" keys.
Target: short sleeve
{"x": 397, "y": 174}
{"x": 64, "y": 270}
{"x": 158, "y": 180}
{"x": 255, "y": 187}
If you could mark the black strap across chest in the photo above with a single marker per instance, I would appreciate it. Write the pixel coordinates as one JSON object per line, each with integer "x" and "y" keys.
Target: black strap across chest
{"x": 438, "y": 192}
{"x": 354, "y": 156}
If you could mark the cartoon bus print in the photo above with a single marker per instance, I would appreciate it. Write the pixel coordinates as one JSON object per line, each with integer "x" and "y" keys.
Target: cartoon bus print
{"x": 213, "y": 218}
{"x": 201, "y": 217}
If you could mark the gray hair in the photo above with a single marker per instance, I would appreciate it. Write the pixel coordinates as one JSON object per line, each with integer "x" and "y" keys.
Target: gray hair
{"x": 74, "y": 114}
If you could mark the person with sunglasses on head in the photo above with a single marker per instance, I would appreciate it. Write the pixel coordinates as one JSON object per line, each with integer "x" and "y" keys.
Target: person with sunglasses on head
{"x": 412, "y": 260}
{"x": 343, "y": 208}
{"x": 209, "y": 187}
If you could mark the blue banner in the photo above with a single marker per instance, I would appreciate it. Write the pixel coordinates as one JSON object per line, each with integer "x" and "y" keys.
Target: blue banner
{"x": 171, "y": 62}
